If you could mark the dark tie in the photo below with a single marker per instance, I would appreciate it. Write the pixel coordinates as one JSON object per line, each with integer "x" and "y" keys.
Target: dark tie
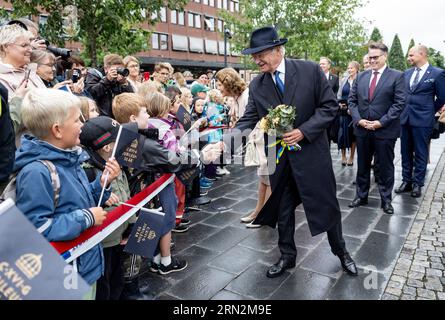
{"x": 416, "y": 79}
{"x": 373, "y": 85}
{"x": 279, "y": 82}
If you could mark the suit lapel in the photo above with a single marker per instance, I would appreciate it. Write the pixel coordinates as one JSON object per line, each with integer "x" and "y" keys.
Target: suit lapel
{"x": 367, "y": 81}
{"x": 409, "y": 74}
{"x": 271, "y": 90}
{"x": 291, "y": 80}
{"x": 381, "y": 82}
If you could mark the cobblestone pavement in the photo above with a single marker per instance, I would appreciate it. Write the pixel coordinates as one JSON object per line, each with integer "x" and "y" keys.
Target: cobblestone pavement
{"x": 419, "y": 273}
{"x": 227, "y": 261}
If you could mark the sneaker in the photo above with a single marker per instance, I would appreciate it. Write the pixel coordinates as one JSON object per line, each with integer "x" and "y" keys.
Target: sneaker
{"x": 203, "y": 193}
{"x": 180, "y": 228}
{"x": 175, "y": 266}
{"x": 226, "y": 171}
{"x": 204, "y": 185}
{"x": 209, "y": 180}
{"x": 220, "y": 172}
{"x": 185, "y": 222}
{"x": 154, "y": 267}
{"x": 192, "y": 208}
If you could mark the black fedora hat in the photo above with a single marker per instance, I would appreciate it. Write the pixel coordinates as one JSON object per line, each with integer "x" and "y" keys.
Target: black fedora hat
{"x": 263, "y": 39}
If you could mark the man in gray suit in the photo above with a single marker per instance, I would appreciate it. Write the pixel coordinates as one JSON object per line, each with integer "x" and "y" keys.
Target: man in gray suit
{"x": 376, "y": 101}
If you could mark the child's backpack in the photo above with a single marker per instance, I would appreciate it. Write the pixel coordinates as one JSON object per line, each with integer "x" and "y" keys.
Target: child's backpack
{"x": 10, "y": 190}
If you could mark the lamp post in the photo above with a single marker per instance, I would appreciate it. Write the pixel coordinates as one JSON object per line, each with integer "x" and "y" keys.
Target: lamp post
{"x": 227, "y": 35}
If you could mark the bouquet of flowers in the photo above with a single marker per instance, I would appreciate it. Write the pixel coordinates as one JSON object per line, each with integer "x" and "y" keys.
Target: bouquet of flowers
{"x": 278, "y": 121}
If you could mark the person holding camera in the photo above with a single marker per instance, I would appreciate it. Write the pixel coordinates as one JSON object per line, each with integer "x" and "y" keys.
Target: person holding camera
{"x": 104, "y": 88}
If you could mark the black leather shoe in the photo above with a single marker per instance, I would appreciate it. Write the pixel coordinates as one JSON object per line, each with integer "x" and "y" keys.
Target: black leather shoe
{"x": 404, "y": 187}
{"x": 387, "y": 208}
{"x": 357, "y": 202}
{"x": 417, "y": 191}
{"x": 348, "y": 264}
{"x": 278, "y": 268}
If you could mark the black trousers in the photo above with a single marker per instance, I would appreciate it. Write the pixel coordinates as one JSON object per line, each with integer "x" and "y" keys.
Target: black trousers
{"x": 384, "y": 151}
{"x": 286, "y": 222}
{"x": 111, "y": 284}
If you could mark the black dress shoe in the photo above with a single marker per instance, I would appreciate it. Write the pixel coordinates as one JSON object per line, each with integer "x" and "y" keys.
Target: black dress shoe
{"x": 348, "y": 264}
{"x": 387, "y": 208}
{"x": 404, "y": 187}
{"x": 278, "y": 268}
{"x": 357, "y": 202}
{"x": 417, "y": 191}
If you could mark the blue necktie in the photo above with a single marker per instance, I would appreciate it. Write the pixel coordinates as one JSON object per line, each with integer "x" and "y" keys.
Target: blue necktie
{"x": 279, "y": 82}
{"x": 416, "y": 79}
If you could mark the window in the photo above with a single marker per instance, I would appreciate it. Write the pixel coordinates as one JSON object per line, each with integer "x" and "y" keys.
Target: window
{"x": 205, "y": 2}
{"x": 196, "y": 45}
{"x": 236, "y": 6}
{"x": 209, "y": 23}
{"x": 232, "y": 6}
{"x": 212, "y": 3}
{"x": 225, "y": 4}
{"x": 159, "y": 41}
{"x": 219, "y": 5}
{"x": 181, "y": 18}
{"x": 179, "y": 43}
{"x": 163, "y": 14}
{"x": 198, "y": 21}
{"x": 174, "y": 17}
{"x": 211, "y": 46}
{"x": 221, "y": 47}
{"x": 194, "y": 20}
{"x": 220, "y": 25}
{"x": 197, "y": 1}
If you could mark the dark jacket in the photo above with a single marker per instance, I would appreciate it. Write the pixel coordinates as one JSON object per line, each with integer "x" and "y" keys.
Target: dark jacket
{"x": 306, "y": 88}
{"x": 425, "y": 100}
{"x": 386, "y": 105}
{"x": 333, "y": 82}
{"x": 103, "y": 91}
{"x": 7, "y": 137}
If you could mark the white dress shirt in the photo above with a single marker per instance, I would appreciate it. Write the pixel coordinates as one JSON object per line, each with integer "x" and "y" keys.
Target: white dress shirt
{"x": 380, "y": 71}
{"x": 282, "y": 69}
{"x": 421, "y": 73}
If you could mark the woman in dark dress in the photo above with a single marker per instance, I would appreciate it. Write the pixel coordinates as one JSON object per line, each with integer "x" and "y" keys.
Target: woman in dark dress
{"x": 346, "y": 138}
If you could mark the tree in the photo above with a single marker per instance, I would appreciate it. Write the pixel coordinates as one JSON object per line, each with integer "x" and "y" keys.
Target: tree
{"x": 376, "y": 36}
{"x": 314, "y": 28}
{"x": 411, "y": 44}
{"x": 436, "y": 58}
{"x": 396, "y": 57}
{"x": 102, "y": 26}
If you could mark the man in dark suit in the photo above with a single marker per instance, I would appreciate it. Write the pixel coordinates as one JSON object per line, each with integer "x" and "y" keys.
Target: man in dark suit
{"x": 425, "y": 94}
{"x": 376, "y": 101}
{"x": 325, "y": 65}
{"x": 304, "y": 176}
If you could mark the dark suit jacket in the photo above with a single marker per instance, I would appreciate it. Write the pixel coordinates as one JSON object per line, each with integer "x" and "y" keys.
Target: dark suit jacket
{"x": 333, "y": 82}
{"x": 386, "y": 105}
{"x": 426, "y": 98}
{"x": 306, "y": 88}
{"x": 7, "y": 137}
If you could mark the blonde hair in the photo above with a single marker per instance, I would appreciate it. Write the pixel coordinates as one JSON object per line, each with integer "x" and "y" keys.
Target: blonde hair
{"x": 112, "y": 59}
{"x": 129, "y": 59}
{"x": 126, "y": 105}
{"x": 184, "y": 93}
{"x": 157, "y": 104}
{"x": 164, "y": 65}
{"x": 180, "y": 80}
{"x": 215, "y": 95}
{"x": 38, "y": 56}
{"x": 10, "y": 33}
{"x": 231, "y": 81}
{"x": 85, "y": 108}
{"x": 148, "y": 87}
{"x": 42, "y": 108}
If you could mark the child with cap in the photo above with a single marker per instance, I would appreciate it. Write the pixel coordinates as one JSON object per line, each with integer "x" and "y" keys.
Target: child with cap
{"x": 98, "y": 138}
{"x": 52, "y": 116}
{"x": 199, "y": 90}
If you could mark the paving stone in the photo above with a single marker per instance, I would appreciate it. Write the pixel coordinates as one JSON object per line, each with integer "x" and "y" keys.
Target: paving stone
{"x": 409, "y": 290}
{"x": 245, "y": 206}
{"x": 303, "y": 237}
{"x": 394, "y": 225}
{"x": 195, "y": 234}
{"x": 441, "y": 295}
{"x": 225, "y": 238}
{"x": 359, "y": 222}
{"x": 222, "y": 219}
{"x": 304, "y": 285}
{"x": 407, "y": 297}
{"x": 433, "y": 283}
{"x": 414, "y": 283}
{"x": 426, "y": 294}
{"x": 228, "y": 295}
{"x": 236, "y": 259}
{"x": 387, "y": 296}
{"x": 264, "y": 239}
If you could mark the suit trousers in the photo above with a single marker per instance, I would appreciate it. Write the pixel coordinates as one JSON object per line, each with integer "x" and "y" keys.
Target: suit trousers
{"x": 290, "y": 199}
{"x": 414, "y": 148}
{"x": 384, "y": 150}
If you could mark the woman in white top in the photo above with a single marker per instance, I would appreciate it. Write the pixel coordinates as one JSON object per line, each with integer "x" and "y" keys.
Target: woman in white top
{"x": 229, "y": 82}
{"x": 132, "y": 64}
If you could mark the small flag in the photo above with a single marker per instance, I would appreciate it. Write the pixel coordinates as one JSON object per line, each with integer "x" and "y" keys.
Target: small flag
{"x": 129, "y": 147}
{"x": 184, "y": 117}
{"x": 145, "y": 234}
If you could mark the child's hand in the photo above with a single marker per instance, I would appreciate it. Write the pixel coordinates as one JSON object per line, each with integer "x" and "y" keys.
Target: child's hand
{"x": 114, "y": 169}
{"x": 99, "y": 215}
{"x": 112, "y": 200}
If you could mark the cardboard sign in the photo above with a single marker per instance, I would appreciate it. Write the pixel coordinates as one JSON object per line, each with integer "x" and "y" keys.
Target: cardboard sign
{"x": 30, "y": 269}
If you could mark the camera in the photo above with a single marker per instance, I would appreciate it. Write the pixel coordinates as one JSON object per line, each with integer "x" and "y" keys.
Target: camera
{"x": 124, "y": 72}
{"x": 77, "y": 74}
